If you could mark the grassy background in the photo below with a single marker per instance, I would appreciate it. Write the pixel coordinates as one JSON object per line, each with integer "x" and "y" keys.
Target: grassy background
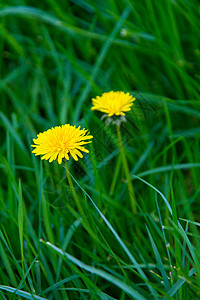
{"x": 56, "y": 56}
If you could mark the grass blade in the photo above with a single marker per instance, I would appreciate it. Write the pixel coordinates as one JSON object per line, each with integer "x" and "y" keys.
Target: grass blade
{"x": 121, "y": 284}
{"x": 21, "y": 293}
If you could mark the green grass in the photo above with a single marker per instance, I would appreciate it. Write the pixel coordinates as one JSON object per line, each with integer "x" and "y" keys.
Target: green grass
{"x": 79, "y": 236}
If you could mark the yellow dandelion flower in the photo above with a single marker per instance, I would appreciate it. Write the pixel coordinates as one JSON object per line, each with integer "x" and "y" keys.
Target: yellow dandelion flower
{"x": 113, "y": 103}
{"x": 60, "y": 141}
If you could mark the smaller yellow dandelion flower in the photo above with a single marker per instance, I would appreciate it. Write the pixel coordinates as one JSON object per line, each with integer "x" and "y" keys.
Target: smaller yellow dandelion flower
{"x": 113, "y": 103}
{"x": 61, "y": 141}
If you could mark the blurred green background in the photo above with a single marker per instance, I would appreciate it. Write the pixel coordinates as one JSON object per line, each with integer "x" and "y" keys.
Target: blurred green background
{"x": 55, "y": 57}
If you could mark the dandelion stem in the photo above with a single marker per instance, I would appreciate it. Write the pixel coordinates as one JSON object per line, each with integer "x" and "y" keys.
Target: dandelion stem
{"x": 75, "y": 194}
{"x": 85, "y": 222}
{"x": 114, "y": 180}
{"x": 126, "y": 170}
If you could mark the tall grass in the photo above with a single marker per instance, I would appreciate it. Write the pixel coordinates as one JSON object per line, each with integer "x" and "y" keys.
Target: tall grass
{"x": 56, "y": 56}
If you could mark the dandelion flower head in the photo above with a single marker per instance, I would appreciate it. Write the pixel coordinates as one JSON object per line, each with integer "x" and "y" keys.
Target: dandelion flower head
{"x": 113, "y": 103}
{"x": 60, "y": 141}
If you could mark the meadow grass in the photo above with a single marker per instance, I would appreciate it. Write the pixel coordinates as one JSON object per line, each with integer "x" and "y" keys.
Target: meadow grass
{"x": 73, "y": 232}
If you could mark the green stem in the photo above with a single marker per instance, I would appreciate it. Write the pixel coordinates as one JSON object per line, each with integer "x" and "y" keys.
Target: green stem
{"x": 76, "y": 198}
{"x": 114, "y": 179}
{"x": 126, "y": 170}
{"x": 84, "y": 221}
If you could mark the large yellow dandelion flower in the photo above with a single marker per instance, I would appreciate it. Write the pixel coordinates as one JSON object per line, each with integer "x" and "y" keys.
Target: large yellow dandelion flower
{"x": 61, "y": 141}
{"x": 113, "y": 103}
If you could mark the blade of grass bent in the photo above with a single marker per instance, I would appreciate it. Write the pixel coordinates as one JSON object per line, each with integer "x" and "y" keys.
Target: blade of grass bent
{"x": 21, "y": 293}
{"x": 129, "y": 290}
{"x": 133, "y": 260}
{"x": 163, "y": 197}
